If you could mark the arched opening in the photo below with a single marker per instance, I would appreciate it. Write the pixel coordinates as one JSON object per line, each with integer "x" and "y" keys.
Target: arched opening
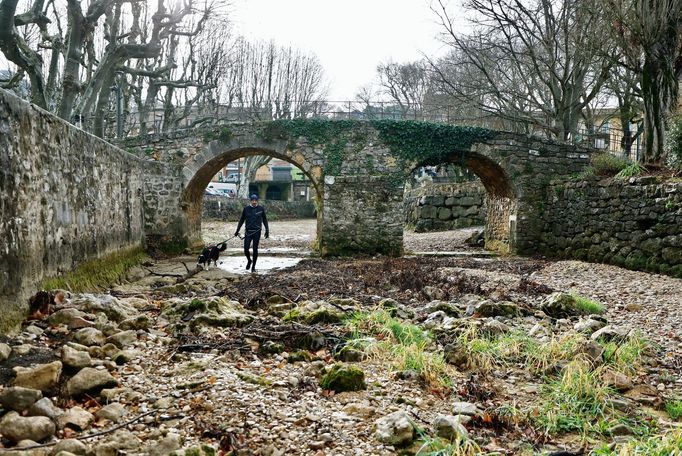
{"x": 463, "y": 193}
{"x": 195, "y": 192}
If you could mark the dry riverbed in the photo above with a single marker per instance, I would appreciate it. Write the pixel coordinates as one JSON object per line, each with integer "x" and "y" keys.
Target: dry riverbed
{"x": 372, "y": 356}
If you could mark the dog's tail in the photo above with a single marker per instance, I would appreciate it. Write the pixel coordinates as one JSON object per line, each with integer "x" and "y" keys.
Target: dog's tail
{"x": 221, "y": 247}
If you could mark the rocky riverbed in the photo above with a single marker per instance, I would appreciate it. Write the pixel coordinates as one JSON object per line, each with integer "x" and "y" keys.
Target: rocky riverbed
{"x": 371, "y": 356}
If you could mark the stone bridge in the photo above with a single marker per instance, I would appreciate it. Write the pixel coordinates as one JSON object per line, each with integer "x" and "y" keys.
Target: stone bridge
{"x": 67, "y": 196}
{"x": 359, "y": 169}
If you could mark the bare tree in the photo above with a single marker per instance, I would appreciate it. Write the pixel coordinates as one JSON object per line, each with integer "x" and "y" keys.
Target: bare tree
{"x": 650, "y": 39}
{"x": 534, "y": 62}
{"x": 406, "y": 84}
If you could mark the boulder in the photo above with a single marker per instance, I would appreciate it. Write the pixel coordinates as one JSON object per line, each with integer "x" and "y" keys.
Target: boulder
{"x": 5, "y": 351}
{"x": 76, "y": 418}
{"x": 312, "y": 312}
{"x": 489, "y": 308}
{"x": 90, "y": 380}
{"x": 395, "y": 429}
{"x": 65, "y": 316}
{"x": 45, "y": 407}
{"x": 564, "y": 305}
{"x": 213, "y": 311}
{"x": 89, "y": 337}
{"x": 72, "y": 446}
{"x": 610, "y": 333}
{"x": 342, "y": 378}
{"x": 449, "y": 427}
{"x": 43, "y": 377}
{"x": 465, "y": 408}
{"x": 123, "y": 339}
{"x": 19, "y": 398}
{"x": 75, "y": 358}
{"x": 115, "y": 309}
{"x": 17, "y": 428}
{"x": 112, "y": 412}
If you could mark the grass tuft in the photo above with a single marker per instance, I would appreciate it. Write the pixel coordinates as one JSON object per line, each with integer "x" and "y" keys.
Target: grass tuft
{"x": 99, "y": 273}
{"x": 625, "y": 356}
{"x": 674, "y": 408}
{"x": 587, "y": 305}
{"x": 405, "y": 345}
{"x": 436, "y": 446}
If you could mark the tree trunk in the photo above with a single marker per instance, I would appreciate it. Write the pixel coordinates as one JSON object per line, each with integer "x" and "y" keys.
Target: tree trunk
{"x": 654, "y": 134}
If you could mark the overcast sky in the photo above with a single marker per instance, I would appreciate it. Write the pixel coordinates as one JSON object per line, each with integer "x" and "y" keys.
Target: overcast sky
{"x": 349, "y": 36}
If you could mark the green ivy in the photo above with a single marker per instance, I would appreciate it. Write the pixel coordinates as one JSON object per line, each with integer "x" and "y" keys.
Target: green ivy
{"x": 411, "y": 142}
{"x": 428, "y": 143}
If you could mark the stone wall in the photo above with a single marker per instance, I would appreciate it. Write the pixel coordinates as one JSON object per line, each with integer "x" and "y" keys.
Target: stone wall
{"x": 636, "y": 223}
{"x": 220, "y": 208}
{"x": 440, "y": 207}
{"x": 67, "y": 196}
{"x": 359, "y": 216}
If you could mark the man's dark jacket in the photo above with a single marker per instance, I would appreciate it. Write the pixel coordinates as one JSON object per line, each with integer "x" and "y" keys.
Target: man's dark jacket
{"x": 254, "y": 218}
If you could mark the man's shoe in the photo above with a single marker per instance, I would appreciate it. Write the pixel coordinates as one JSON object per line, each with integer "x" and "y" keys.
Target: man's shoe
{"x": 248, "y": 265}
{"x": 253, "y": 269}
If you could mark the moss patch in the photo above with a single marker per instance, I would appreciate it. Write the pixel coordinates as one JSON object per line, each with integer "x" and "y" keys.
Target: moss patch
{"x": 99, "y": 273}
{"x": 343, "y": 378}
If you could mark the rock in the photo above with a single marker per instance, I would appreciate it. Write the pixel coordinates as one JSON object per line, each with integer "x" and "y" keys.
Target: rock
{"x": 5, "y": 351}
{"x": 118, "y": 442}
{"x": 433, "y": 293}
{"x": 395, "y": 309}
{"x": 589, "y": 325}
{"x": 434, "y": 320}
{"x": 125, "y": 356}
{"x": 620, "y": 429}
{"x": 271, "y": 347}
{"x": 34, "y": 330}
{"x": 617, "y": 380}
{"x": 109, "y": 350}
{"x": 75, "y": 358}
{"x": 350, "y": 355}
{"x": 314, "y": 369}
{"x": 112, "y": 412}
{"x": 165, "y": 446}
{"x": 464, "y": 408}
{"x": 89, "y": 337}
{"x": 312, "y": 312}
{"x": 610, "y": 333}
{"x": 490, "y": 308}
{"x": 538, "y": 331}
{"x": 43, "y": 377}
{"x": 450, "y": 309}
{"x": 449, "y": 427}
{"x": 123, "y": 338}
{"x": 207, "y": 450}
{"x": 456, "y": 354}
{"x": 115, "y": 310}
{"x": 361, "y": 409}
{"x": 395, "y": 429}
{"x": 45, "y": 407}
{"x": 76, "y": 418}
{"x": 276, "y": 299}
{"x": 591, "y": 349}
{"x": 72, "y": 446}
{"x": 19, "y": 398}
{"x": 493, "y": 327}
{"x": 342, "y": 378}
{"x": 90, "y": 380}
{"x": 213, "y": 311}
{"x": 16, "y": 428}
{"x": 23, "y": 349}
{"x": 141, "y": 322}
{"x": 564, "y": 305}
{"x": 65, "y": 316}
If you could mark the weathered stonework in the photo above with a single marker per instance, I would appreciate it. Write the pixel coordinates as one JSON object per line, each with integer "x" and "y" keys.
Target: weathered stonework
{"x": 67, "y": 196}
{"x": 439, "y": 207}
{"x": 634, "y": 223}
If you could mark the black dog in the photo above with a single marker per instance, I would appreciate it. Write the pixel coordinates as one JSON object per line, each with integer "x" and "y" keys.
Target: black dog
{"x": 211, "y": 253}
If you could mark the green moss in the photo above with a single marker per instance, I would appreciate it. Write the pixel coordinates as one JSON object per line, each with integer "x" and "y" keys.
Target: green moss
{"x": 299, "y": 355}
{"x": 254, "y": 379}
{"x": 342, "y": 378}
{"x": 292, "y": 315}
{"x": 674, "y": 408}
{"x": 99, "y": 273}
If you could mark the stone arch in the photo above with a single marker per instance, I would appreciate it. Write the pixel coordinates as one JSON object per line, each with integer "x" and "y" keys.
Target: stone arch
{"x": 501, "y": 194}
{"x": 198, "y": 172}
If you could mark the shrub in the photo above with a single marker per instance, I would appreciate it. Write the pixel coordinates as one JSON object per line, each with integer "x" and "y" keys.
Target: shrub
{"x": 605, "y": 164}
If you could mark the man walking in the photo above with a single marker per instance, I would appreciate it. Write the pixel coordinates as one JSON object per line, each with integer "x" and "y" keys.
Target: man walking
{"x": 254, "y": 216}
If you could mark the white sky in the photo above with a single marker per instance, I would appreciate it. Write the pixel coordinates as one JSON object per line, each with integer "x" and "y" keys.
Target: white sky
{"x": 351, "y": 37}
